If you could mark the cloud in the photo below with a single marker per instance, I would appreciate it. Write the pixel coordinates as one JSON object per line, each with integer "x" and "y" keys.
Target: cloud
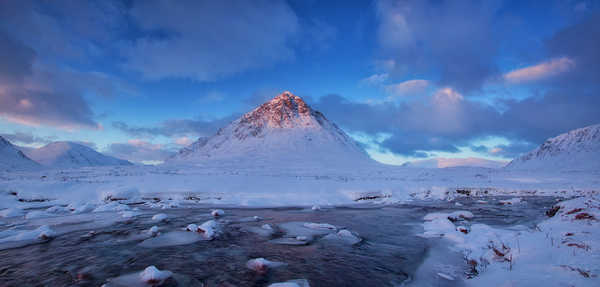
{"x": 209, "y": 40}
{"x": 26, "y": 138}
{"x": 419, "y": 37}
{"x": 184, "y": 141}
{"x": 407, "y": 88}
{"x": 580, "y": 43}
{"x": 177, "y": 127}
{"x": 374, "y": 80}
{"x": 139, "y": 151}
{"x": 37, "y": 84}
{"x": 540, "y": 71}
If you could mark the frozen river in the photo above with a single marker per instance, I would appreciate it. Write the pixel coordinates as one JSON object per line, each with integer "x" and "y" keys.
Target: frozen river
{"x": 391, "y": 252}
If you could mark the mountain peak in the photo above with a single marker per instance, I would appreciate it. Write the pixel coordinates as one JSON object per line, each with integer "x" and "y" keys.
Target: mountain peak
{"x": 285, "y": 111}
{"x": 283, "y": 131}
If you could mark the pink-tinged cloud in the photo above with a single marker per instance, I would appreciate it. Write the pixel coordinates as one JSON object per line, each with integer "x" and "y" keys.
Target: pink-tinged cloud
{"x": 442, "y": 162}
{"x": 184, "y": 141}
{"x": 540, "y": 71}
{"x": 407, "y": 88}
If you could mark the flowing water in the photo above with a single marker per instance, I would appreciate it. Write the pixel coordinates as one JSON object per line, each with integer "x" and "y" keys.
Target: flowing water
{"x": 389, "y": 255}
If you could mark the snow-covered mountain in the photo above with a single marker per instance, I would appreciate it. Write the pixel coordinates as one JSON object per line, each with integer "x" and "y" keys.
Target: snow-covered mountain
{"x": 284, "y": 131}
{"x": 575, "y": 150}
{"x": 12, "y": 158}
{"x": 71, "y": 155}
{"x": 441, "y": 162}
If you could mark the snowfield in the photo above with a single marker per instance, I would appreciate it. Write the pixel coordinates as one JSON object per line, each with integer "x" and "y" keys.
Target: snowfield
{"x": 174, "y": 186}
{"x": 563, "y": 249}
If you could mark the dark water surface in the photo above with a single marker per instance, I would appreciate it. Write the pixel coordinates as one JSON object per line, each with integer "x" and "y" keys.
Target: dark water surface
{"x": 389, "y": 255}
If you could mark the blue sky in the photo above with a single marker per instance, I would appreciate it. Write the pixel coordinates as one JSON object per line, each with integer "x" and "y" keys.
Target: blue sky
{"x": 408, "y": 79}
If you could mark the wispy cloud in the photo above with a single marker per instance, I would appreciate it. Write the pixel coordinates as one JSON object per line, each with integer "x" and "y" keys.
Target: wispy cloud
{"x": 407, "y": 88}
{"x": 540, "y": 71}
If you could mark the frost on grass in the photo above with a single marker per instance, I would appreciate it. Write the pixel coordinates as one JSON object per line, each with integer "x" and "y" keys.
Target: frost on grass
{"x": 565, "y": 243}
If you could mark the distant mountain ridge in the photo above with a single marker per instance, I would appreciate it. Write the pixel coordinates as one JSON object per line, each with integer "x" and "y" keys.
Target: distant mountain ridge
{"x": 65, "y": 154}
{"x": 282, "y": 131}
{"x": 578, "y": 149}
{"x": 12, "y": 159}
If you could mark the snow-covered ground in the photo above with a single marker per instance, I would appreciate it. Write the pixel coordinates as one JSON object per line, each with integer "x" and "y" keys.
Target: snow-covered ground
{"x": 38, "y": 205}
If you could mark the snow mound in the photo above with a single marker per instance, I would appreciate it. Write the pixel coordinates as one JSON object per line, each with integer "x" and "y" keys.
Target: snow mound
{"x": 159, "y": 217}
{"x": 261, "y": 265}
{"x": 209, "y": 230}
{"x": 12, "y": 159}
{"x": 72, "y": 155}
{"x": 345, "y": 236}
{"x": 217, "y": 212}
{"x": 153, "y": 276}
{"x": 575, "y": 150}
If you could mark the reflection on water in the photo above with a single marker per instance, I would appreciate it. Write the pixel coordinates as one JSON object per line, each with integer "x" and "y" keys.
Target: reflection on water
{"x": 389, "y": 255}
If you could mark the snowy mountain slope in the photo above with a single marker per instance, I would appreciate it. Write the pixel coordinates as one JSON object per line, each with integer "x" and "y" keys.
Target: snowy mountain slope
{"x": 71, "y": 155}
{"x": 575, "y": 150}
{"x": 13, "y": 159}
{"x": 442, "y": 162}
{"x": 282, "y": 132}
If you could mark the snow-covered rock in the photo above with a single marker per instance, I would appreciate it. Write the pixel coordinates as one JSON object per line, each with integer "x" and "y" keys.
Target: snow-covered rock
{"x": 262, "y": 265}
{"x": 12, "y": 159}
{"x": 159, "y": 217}
{"x": 71, "y": 155}
{"x": 209, "y": 229}
{"x": 575, "y": 150}
{"x": 153, "y": 230}
{"x": 320, "y": 226}
{"x": 345, "y": 236}
{"x": 152, "y": 276}
{"x": 217, "y": 212}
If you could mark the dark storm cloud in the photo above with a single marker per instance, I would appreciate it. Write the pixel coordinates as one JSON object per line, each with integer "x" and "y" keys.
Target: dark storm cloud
{"x": 454, "y": 38}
